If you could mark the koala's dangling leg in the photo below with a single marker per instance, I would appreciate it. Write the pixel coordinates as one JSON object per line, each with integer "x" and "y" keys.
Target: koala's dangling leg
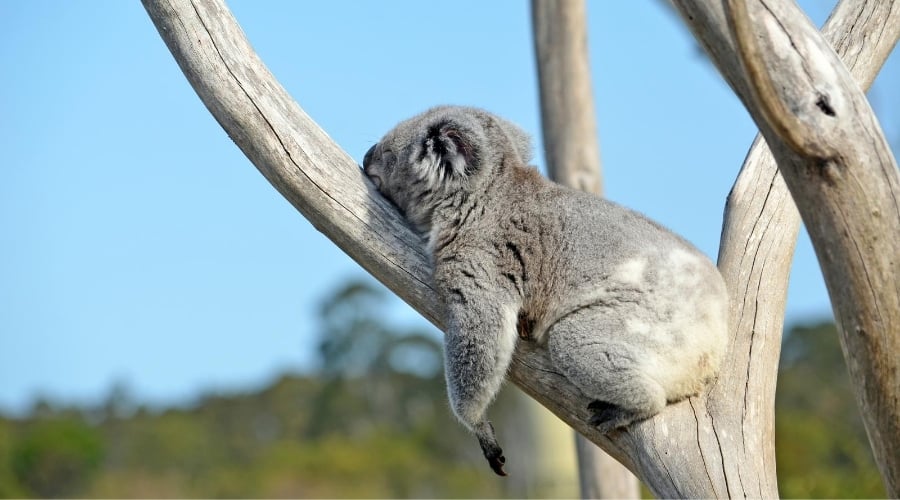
{"x": 478, "y": 348}
{"x": 484, "y": 431}
{"x": 595, "y": 352}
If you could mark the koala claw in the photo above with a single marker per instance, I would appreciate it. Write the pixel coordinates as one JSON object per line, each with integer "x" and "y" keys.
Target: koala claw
{"x": 496, "y": 462}
{"x": 491, "y": 448}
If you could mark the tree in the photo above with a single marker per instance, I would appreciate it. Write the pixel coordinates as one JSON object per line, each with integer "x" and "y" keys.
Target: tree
{"x": 56, "y": 457}
{"x": 357, "y": 344}
{"x": 835, "y": 164}
{"x": 572, "y": 152}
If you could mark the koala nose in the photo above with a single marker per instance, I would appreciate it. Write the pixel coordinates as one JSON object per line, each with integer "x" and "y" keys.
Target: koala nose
{"x": 368, "y": 158}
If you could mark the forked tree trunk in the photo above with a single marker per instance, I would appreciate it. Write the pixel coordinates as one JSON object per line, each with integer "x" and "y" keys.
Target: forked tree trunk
{"x": 572, "y": 154}
{"x": 863, "y": 33}
{"x": 844, "y": 179}
{"x": 721, "y": 442}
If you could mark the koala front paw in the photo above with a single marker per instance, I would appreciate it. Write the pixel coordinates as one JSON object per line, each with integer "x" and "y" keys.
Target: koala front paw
{"x": 496, "y": 460}
{"x": 491, "y": 448}
{"x": 608, "y": 417}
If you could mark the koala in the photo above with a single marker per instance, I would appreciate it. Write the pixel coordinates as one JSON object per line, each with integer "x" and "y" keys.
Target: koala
{"x": 630, "y": 313}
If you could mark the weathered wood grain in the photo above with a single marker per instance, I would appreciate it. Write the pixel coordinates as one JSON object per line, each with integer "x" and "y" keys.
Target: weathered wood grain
{"x": 760, "y": 231}
{"x": 844, "y": 179}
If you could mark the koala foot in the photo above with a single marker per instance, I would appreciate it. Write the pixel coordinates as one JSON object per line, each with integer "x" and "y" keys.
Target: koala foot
{"x": 491, "y": 448}
{"x": 495, "y": 459}
{"x": 608, "y": 417}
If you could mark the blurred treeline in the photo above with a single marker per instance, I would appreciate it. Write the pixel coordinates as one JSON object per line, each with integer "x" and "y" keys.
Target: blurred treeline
{"x": 373, "y": 422}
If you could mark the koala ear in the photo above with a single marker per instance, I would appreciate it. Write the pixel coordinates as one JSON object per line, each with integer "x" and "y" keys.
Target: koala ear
{"x": 454, "y": 150}
{"x": 520, "y": 140}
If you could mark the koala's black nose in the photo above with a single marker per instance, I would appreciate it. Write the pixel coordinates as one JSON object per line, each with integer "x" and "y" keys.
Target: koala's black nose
{"x": 368, "y": 158}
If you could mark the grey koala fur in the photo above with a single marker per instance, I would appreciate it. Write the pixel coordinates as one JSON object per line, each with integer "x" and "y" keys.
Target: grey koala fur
{"x": 631, "y": 314}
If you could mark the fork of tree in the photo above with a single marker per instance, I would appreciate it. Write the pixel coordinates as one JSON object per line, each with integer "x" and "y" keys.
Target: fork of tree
{"x": 826, "y": 161}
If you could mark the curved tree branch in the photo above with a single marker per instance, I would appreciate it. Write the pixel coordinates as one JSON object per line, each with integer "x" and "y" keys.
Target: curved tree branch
{"x": 761, "y": 225}
{"x": 697, "y": 448}
{"x": 841, "y": 172}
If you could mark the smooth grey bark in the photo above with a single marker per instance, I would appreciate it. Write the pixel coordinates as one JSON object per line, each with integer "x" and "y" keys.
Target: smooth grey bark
{"x": 567, "y": 101}
{"x": 572, "y": 154}
{"x": 717, "y": 444}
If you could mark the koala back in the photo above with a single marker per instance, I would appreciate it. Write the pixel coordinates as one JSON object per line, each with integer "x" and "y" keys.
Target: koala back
{"x": 499, "y": 231}
{"x": 554, "y": 251}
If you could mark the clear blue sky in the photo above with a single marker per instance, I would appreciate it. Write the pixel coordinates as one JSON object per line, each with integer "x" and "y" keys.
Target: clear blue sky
{"x": 138, "y": 245}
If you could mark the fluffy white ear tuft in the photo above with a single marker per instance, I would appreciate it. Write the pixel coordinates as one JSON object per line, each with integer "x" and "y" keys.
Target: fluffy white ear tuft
{"x": 456, "y": 154}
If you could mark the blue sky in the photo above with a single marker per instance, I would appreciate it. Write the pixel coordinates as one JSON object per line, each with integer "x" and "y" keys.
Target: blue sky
{"x": 138, "y": 245}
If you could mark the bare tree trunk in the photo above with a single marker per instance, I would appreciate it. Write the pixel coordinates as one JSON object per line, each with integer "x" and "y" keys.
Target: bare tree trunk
{"x": 840, "y": 171}
{"x": 567, "y": 102}
{"x": 714, "y": 445}
{"x": 602, "y": 476}
{"x": 573, "y": 159}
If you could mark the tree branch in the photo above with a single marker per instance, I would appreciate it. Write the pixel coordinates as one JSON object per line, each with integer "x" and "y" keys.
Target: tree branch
{"x": 695, "y": 448}
{"x": 761, "y": 224}
{"x": 840, "y": 170}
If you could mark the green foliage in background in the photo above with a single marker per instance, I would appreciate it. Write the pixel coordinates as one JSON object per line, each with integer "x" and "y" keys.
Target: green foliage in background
{"x": 820, "y": 442}
{"x": 373, "y": 421}
{"x": 55, "y": 456}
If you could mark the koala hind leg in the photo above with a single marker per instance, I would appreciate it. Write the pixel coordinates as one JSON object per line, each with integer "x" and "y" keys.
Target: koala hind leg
{"x": 594, "y": 350}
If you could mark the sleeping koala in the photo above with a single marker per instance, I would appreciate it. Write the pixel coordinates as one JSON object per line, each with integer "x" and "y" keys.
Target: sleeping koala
{"x": 631, "y": 314}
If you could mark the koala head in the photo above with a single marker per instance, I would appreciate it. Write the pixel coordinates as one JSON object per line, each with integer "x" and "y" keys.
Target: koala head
{"x": 441, "y": 153}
